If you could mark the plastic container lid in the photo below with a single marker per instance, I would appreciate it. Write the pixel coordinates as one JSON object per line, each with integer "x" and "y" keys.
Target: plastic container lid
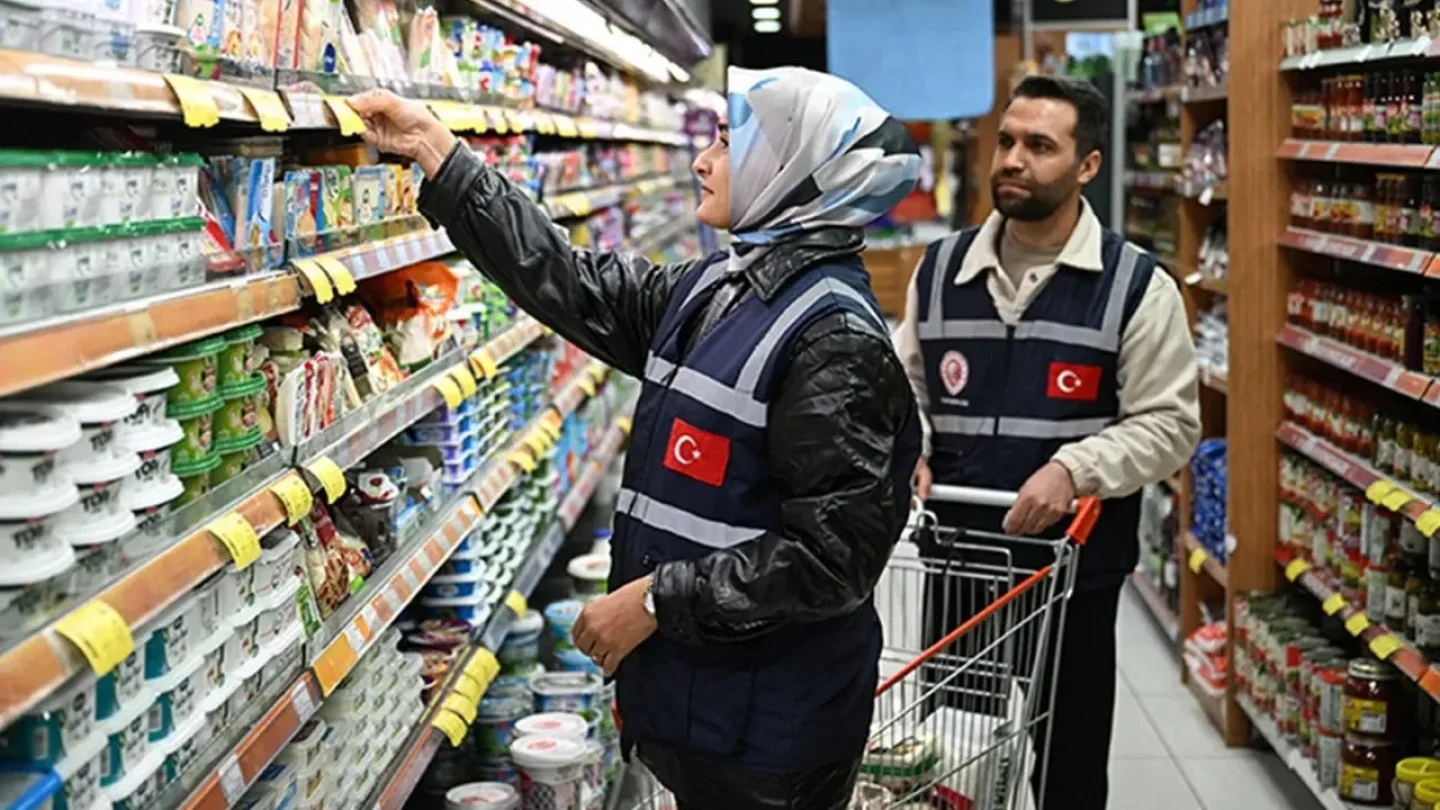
{"x": 1417, "y": 769}
{"x": 590, "y": 567}
{"x": 194, "y": 350}
{"x": 490, "y": 795}
{"x": 135, "y": 379}
{"x": 553, "y": 724}
{"x": 564, "y": 613}
{"x": 199, "y": 467}
{"x": 239, "y": 445}
{"x": 89, "y": 402}
{"x": 193, "y": 409}
{"x": 531, "y": 622}
{"x": 247, "y": 333}
{"x": 152, "y": 437}
{"x": 547, "y": 752}
{"x": 159, "y": 492}
{"x": 160, "y": 28}
{"x": 89, "y": 532}
{"x": 243, "y": 389}
{"x": 565, "y": 683}
{"x": 1427, "y": 792}
{"x": 37, "y": 431}
{"x": 24, "y": 157}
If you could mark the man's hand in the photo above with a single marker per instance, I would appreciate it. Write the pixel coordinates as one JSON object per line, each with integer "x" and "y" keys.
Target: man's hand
{"x": 1044, "y": 499}
{"x": 923, "y": 479}
{"x": 403, "y": 127}
{"x": 613, "y": 625}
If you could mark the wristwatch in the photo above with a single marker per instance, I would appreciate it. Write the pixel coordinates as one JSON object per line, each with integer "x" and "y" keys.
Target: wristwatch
{"x": 649, "y": 599}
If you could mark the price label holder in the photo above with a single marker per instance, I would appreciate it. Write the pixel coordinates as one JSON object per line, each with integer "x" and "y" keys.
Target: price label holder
{"x": 449, "y": 391}
{"x": 294, "y": 496}
{"x": 1356, "y": 624}
{"x": 339, "y": 274}
{"x": 238, "y": 537}
{"x": 268, "y": 108}
{"x": 517, "y": 603}
{"x": 588, "y": 386}
{"x": 483, "y": 667}
{"x": 458, "y": 704}
{"x": 625, "y": 423}
{"x": 537, "y": 442}
{"x": 484, "y": 364}
{"x": 317, "y": 278}
{"x": 1429, "y": 522}
{"x": 1377, "y": 491}
{"x": 551, "y": 427}
{"x": 197, "y": 103}
{"x": 330, "y": 476}
{"x": 100, "y": 633}
{"x": 465, "y": 380}
{"x": 1333, "y": 604}
{"x": 345, "y": 115}
{"x": 1397, "y": 500}
{"x": 522, "y": 459}
{"x": 1295, "y": 569}
{"x": 451, "y": 725}
{"x": 1197, "y": 560}
{"x": 1384, "y": 646}
{"x": 596, "y": 371}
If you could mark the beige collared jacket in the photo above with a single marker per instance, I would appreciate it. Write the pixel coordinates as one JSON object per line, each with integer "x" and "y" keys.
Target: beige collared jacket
{"x": 1159, "y": 421}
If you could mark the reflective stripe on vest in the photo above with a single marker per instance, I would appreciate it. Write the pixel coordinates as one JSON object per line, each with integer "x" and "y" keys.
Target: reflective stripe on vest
{"x": 934, "y": 326}
{"x": 1017, "y": 427}
{"x": 679, "y": 522}
{"x": 739, "y": 401}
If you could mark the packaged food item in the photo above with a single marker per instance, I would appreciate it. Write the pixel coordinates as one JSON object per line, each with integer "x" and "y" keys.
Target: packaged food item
{"x": 197, "y": 364}
{"x": 22, "y": 178}
{"x": 551, "y": 770}
{"x": 483, "y": 795}
{"x": 369, "y": 184}
{"x": 338, "y": 198}
{"x": 302, "y": 211}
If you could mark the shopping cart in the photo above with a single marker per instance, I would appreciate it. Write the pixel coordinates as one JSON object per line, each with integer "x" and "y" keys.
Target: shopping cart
{"x": 967, "y": 667}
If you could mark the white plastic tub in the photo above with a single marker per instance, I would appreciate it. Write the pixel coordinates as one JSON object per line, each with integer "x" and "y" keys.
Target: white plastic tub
{"x": 30, "y": 482}
{"x": 553, "y": 724}
{"x": 551, "y": 770}
{"x": 482, "y": 796}
{"x": 175, "y": 637}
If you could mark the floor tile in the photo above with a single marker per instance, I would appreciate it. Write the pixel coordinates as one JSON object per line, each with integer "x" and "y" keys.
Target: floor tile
{"x": 1253, "y": 779}
{"x": 1184, "y": 727}
{"x": 1134, "y": 736}
{"x": 1147, "y": 784}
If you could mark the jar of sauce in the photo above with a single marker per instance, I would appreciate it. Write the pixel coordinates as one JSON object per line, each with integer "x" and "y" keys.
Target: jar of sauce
{"x": 1367, "y": 770}
{"x": 1370, "y": 700}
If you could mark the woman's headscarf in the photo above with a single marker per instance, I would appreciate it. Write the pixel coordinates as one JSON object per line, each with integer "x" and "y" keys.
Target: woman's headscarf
{"x": 807, "y": 151}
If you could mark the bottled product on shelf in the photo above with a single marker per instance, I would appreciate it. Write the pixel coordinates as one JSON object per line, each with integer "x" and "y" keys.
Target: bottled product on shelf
{"x": 1207, "y": 498}
{"x": 1159, "y": 532}
{"x": 1337, "y": 24}
{"x": 1396, "y": 208}
{"x": 1205, "y": 164}
{"x": 1212, "y": 341}
{"x": 1207, "y": 57}
{"x": 1163, "y": 63}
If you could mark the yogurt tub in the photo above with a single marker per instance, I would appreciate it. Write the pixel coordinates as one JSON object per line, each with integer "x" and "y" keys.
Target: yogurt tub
{"x": 473, "y": 609}
{"x": 589, "y": 572}
{"x": 157, "y": 47}
{"x": 129, "y": 738}
{"x": 32, "y": 551}
{"x": 561, "y": 616}
{"x": 151, "y": 505}
{"x": 572, "y": 660}
{"x": 152, "y": 447}
{"x": 551, "y": 770}
{"x": 246, "y": 694}
{"x": 31, "y": 481}
{"x": 184, "y": 746}
{"x": 176, "y": 637}
{"x": 194, "y": 478}
{"x": 102, "y": 515}
{"x": 454, "y": 586}
{"x": 125, "y": 195}
{"x": 197, "y": 365}
{"x": 278, "y": 783}
{"x": 500, "y": 770}
{"x": 274, "y": 622}
{"x": 572, "y": 692}
{"x": 485, "y": 795}
{"x": 234, "y": 457}
{"x": 122, "y": 691}
{"x": 70, "y": 191}
{"x": 148, "y": 385}
{"x": 522, "y": 643}
{"x": 20, "y": 25}
{"x": 237, "y": 365}
{"x": 277, "y": 563}
{"x": 237, "y": 419}
{"x": 174, "y": 193}
{"x": 80, "y": 774}
{"x": 63, "y": 723}
{"x": 22, "y": 175}
{"x": 178, "y": 695}
{"x": 99, "y": 409}
{"x": 197, "y": 420}
{"x": 242, "y": 646}
{"x": 308, "y": 750}
{"x": 495, "y": 724}
{"x": 139, "y": 788}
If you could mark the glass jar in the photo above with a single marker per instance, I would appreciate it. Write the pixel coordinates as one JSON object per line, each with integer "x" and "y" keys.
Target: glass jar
{"x": 1367, "y": 770}
{"x": 1370, "y": 700}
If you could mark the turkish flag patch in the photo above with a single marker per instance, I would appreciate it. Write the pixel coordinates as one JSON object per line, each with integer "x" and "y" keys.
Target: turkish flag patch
{"x": 697, "y": 453}
{"x": 1074, "y": 381}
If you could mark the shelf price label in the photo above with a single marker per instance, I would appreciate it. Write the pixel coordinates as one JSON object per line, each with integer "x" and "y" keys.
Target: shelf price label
{"x": 517, "y": 603}
{"x": 625, "y": 423}
{"x": 345, "y": 115}
{"x": 451, "y": 725}
{"x": 1429, "y": 522}
{"x": 294, "y": 496}
{"x": 1197, "y": 560}
{"x": 469, "y": 687}
{"x": 449, "y": 391}
{"x": 100, "y": 633}
{"x": 1296, "y": 568}
{"x": 483, "y": 362}
{"x": 1377, "y": 491}
{"x": 1397, "y": 500}
{"x": 465, "y": 380}
{"x": 483, "y": 667}
{"x": 1356, "y": 624}
{"x": 197, "y": 104}
{"x": 1333, "y": 604}
{"x": 587, "y": 385}
{"x": 1385, "y": 646}
{"x": 318, "y": 280}
{"x": 330, "y": 476}
{"x": 537, "y": 442}
{"x": 339, "y": 274}
{"x": 238, "y": 537}
{"x": 458, "y": 704}
{"x": 268, "y": 108}
{"x": 521, "y": 458}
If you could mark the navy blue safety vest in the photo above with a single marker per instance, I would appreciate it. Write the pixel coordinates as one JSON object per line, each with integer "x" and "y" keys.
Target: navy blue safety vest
{"x": 697, "y": 478}
{"x": 1004, "y": 398}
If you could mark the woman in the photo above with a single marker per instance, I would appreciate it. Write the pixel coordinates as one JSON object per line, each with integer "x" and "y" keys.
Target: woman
{"x": 768, "y": 473}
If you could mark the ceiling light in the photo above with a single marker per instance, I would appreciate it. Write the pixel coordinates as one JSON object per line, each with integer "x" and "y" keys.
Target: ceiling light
{"x": 764, "y": 2}
{"x": 765, "y": 13}
{"x": 767, "y": 26}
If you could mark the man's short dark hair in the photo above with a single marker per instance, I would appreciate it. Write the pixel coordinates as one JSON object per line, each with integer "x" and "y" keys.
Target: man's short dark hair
{"x": 1092, "y": 111}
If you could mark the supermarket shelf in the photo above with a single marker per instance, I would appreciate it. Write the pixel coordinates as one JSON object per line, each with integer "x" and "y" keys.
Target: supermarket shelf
{"x": 1204, "y": 194}
{"x": 1360, "y": 54}
{"x": 387, "y": 255}
{"x": 402, "y": 775}
{"x": 1215, "y": 382}
{"x": 1155, "y": 95}
{"x": 1293, "y": 759}
{"x": 1202, "y": 95}
{"x": 1163, "y": 181}
{"x": 662, "y": 235}
{"x": 1210, "y": 284}
{"x": 526, "y": 15}
{"x": 582, "y": 203}
{"x": 1356, "y": 472}
{"x": 1168, "y": 622}
{"x": 37, "y": 666}
{"x": 1204, "y": 18}
{"x": 1405, "y": 156}
{"x": 1199, "y": 557}
{"x": 1382, "y": 372}
{"x": 35, "y": 354}
{"x": 1393, "y": 257}
{"x": 1383, "y": 643}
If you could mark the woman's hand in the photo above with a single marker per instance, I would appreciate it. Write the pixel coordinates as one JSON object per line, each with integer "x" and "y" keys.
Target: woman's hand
{"x": 403, "y": 127}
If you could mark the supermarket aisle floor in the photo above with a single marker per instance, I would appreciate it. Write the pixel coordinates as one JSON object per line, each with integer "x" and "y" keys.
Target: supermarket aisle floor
{"x": 1166, "y": 753}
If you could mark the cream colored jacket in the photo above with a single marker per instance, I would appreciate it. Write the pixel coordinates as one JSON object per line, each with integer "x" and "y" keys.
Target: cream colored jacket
{"x": 1159, "y": 421}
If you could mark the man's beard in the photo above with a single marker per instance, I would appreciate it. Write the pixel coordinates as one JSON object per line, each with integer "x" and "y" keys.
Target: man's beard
{"x": 1042, "y": 202}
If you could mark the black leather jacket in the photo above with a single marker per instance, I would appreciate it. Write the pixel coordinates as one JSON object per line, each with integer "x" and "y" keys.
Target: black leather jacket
{"x": 843, "y": 409}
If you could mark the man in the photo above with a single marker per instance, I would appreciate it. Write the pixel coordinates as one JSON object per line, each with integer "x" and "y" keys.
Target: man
{"x": 1052, "y": 358}
{"x": 768, "y": 475}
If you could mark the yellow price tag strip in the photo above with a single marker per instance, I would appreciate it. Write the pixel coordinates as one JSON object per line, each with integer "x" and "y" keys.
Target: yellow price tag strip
{"x": 469, "y": 687}
{"x": 294, "y": 496}
{"x": 345, "y": 115}
{"x": 197, "y": 104}
{"x": 238, "y": 537}
{"x": 339, "y": 274}
{"x": 596, "y": 371}
{"x": 449, "y": 390}
{"x": 100, "y": 633}
{"x": 588, "y": 386}
{"x": 1357, "y": 623}
{"x": 516, "y": 602}
{"x": 1295, "y": 569}
{"x": 523, "y": 460}
{"x": 1377, "y": 491}
{"x": 536, "y": 441}
{"x": 483, "y": 667}
{"x": 268, "y": 108}
{"x": 463, "y": 378}
{"x": 1384, "y": 646}
{"x": 1429, "y": 522}
{"x": 1332, "y": 604}
{"x": 1396, "y": 500}
{"x": 331, "y": 477}
{"x": 625, "y": 424}
{"x": 451, "y": 725}
{"x": 565, "y": 126}
{"x": 319, "y": 281}
{"x": 1197, "y": 560}
{"x": 551, "y": 428}
{"x": 484, "y": 363}
{"x": 449, "y": 114}
{"x": 459, "y": 705}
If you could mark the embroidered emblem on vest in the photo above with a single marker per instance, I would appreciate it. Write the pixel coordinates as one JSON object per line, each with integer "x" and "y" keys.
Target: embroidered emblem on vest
{"x": 697, "y": 454}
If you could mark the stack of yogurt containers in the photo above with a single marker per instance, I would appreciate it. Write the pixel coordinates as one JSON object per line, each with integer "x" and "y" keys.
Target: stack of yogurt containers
{"x": 34, "y": 491}
{"x": 148, "y": 432}
{"x": 466, "y": 436}
{"x": 559, "y": 766}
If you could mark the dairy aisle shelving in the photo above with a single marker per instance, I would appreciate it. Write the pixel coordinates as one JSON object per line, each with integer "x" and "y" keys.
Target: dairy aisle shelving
{"x": 608, "y": 164}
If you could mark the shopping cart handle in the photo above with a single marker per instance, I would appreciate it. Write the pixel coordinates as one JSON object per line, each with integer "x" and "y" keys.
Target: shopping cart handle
{"x": 1086, "y": 510}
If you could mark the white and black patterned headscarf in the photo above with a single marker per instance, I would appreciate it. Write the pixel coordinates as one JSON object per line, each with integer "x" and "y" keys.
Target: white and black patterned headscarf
{"x": 807, "y": 151}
